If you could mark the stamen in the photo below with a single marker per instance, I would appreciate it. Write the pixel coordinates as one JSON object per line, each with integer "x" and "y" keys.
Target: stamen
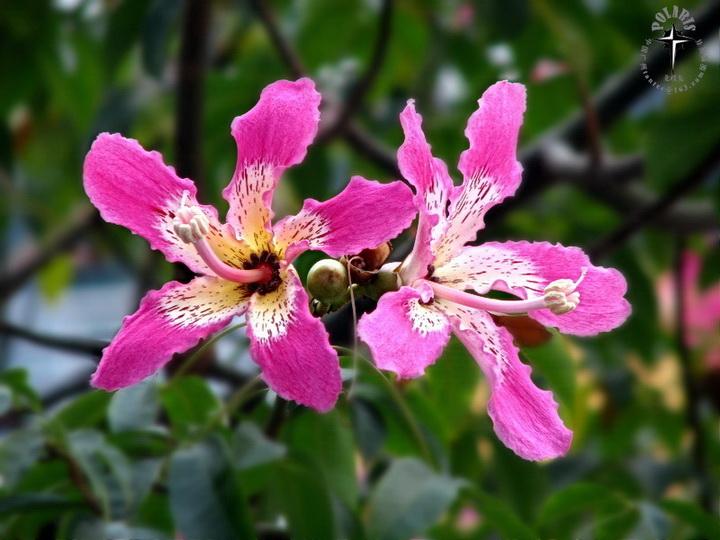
{"x": 192, "y": 227}
{"x": 507, "y": 307}
{"x": 560, "y": 297}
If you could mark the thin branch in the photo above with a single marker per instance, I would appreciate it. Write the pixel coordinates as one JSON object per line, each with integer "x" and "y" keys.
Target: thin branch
{"x": 571, "y": 166}
{"x": 80, "y": 221}
{"x": 277, "y": 418}
{"x": 692, "y": 391}
{"x": 91, "y": 347}
{"x": 372, "y": 149}
{"x": 192, "y": 65}
{"x": 287, "y": 53}
{"x": 646, "y": 215}
{"x": 362, "y": 86}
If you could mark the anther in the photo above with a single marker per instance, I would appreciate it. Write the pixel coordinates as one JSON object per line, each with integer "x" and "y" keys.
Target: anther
{"x": 561, "y": 295}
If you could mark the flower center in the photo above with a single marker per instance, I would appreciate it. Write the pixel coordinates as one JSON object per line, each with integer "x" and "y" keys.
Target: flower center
{"x": 560, "y": 297}
{"x": 266, "y": 262}
{"x": 193, "y": 227}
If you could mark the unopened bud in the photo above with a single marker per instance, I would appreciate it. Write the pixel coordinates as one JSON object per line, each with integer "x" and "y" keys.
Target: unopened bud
{"x": 364, "y": 265}
{"x": 327, "y": 282}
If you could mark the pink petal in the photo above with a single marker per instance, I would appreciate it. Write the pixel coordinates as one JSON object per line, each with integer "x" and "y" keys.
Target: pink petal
{"x": 168, "y": 321}
{"x": 292, "y": 347}
{"x": 134, "y": 188}
{"x": 364, "y": 215}
{"x": 270, "y": 137}
{"x": 702, "y": 307}
{"x": 433, "y": 185}
{"x": 526, "y": 268}
{"x": 490, "y": 167}
{"x": 525, "y": 417}
{"x": 404, "y": 335}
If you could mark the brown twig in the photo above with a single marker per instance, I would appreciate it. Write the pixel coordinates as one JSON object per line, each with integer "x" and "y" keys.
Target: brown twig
{"x": 80, "y": 221}
{"x": 362, "y": 86}
{"x": 91, "y": 347}
{"x": 190, "y": 90}
{"x": 287, "y": 53}
{"x": 646, "y": 215}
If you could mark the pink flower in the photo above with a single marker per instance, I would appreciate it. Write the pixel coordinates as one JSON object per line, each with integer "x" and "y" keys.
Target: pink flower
{"x": 546, "y": 69}
{"x": 702, "y": 308}
{"x": 557, "y": 285}
{"x": 244, "y": 263}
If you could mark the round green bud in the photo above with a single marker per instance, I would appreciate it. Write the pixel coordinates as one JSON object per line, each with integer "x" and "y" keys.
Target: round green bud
{"x": 327, "y": 282}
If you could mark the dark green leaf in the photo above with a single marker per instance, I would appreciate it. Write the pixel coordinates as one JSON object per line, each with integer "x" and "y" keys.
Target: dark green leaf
{"x": 326, "y": 442}
{"x": 87, "y": 410}
{"x": 189, "y": 403}
{"x": 205, "y": 496}
{"x": 408, "y": 499}
{"x": 705, "y": 524}
{"x": 250, "y": 447}
{"x": 304, "y": 500}
{"x": 134, "y": 408}
{"x": 503, "y": 519}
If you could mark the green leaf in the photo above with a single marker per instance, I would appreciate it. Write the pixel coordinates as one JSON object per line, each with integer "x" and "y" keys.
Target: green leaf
{"x": 123, "y": 29}
{"x": 55, "y": 277}
{"x": 553, "y": 362}
{"x": 304, "y": 500}
{"x": 19, "y": 450}
{"x": 159, "y": 23}
{"x": 37, "y": 502}
{"x": 205, "y": 496}
{"x": 368, "y": 427}
{"x": 107, "y": 468}
{"x": 614, "y": 515}
{"x": 6, "y": 399}
{"x": 705, "y": 524}
{"x": 250, "y": 447}
{"x": 134, "y": 408}
{"x": 87, "y": 410}
{"x": 451, "y": 382}
{"x": 326, "y": 442}
{"x": 503, "y": 519}
{"x": 190, "y": 404}
{"x": 408, "y": 499}
{"x": 23, "y": 393}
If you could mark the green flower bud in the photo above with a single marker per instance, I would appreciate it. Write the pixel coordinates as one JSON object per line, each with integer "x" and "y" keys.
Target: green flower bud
{"x": 327, "y": 282}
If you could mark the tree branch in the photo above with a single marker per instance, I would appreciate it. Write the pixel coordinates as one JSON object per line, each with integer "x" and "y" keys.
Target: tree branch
{"x": 190, "y": 90}
{"x": 82, "y": 219}
{"x": 361, "y": 87}
{"x": 651, "y": 212}
{"x": 91, "y": 347}
{"x": 287, "y": 53}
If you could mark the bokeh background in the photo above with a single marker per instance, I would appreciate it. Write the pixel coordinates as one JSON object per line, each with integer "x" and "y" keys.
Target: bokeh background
{"x": 623, "y": 170}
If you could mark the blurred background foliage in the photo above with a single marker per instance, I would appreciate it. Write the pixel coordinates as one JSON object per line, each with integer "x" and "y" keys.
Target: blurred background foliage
{"x": 209, "y": 453}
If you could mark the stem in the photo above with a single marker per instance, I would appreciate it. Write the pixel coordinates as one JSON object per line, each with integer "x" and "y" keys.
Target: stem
{"x": 507, "y": 307}
{"x": 408, "y": 416}
{"x": 399, "y": 401}
{"x": 692, "y": 392}
{"x": 355, "y": 336}
{"x": 197, "y": 354}
{"x": 277, "y": 417}
{"x": 224, "y": 270}
{"x": 240, "y": 396}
